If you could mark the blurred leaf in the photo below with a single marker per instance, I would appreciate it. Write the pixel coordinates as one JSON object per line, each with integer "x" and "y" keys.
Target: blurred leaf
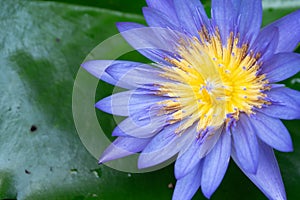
{"x": 41, "y": 156}
{"x": 120, "y": 5}
{"x": 43, "y": 44}
{"x": 127, "y": 6}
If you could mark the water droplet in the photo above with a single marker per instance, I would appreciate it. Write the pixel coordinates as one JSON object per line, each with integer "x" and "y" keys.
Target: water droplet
{"x": 74, "y": 171}
{"x": 97, "y": 172}
{"x": 295, "y": 81}
{"x": 170, "y": 185}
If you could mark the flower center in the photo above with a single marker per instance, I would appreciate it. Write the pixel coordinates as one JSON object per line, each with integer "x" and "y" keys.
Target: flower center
{"x": 211, "y": 83}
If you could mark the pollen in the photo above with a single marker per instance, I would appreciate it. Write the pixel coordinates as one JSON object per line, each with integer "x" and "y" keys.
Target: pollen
{"x": 213, "y": 83}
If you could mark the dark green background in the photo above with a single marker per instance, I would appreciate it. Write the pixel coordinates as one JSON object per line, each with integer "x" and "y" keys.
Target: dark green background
{"x": 42, "y": 46}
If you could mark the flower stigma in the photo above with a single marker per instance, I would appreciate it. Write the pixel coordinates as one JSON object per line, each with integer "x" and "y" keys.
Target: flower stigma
{"x": 212, "y": 83}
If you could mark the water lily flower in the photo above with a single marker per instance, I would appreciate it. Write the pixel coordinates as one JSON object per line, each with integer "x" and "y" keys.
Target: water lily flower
{"x": 211, "y": 93}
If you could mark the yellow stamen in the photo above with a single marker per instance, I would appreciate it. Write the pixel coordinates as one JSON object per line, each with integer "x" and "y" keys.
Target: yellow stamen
{"x": 212, "y": 81}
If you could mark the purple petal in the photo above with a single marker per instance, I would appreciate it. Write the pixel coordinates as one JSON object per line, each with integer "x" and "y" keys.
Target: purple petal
{"x": 127, "y": 103}
{"x": 285, "y": 103}
{"x": 187, "y": 159}
{"x": 156, "y": 18}
{"x": 131, "y": 75}
{"x": 126, "y": 26}
{"x": 215, "y": 165}
{"x": 224, "y": 15}
{"x": 190, "y": 13}
{"x": 143, "y": 109}
{"x": 117, "y": 132}
{"x": 244, "y": 15}
{"x": 245, "y": 145}
{"x": 165, "y": 6}
{"x": 249, "y": 20}
{"x": 165, "y": 145}
{"x": 289, "y": 31}
{"x": 272, "y": 131}
{"x": 122, "y": 147}
{"x": 153, "y": 42}
{"x": 267, "y": 177}
{"x": 116, "y": 104}
{"x": 281, "y": 66}
{"x": 97, "y": 68}
{"x": 131, "y": 128}
{"x": 266, "y": 43}
{"x": 187, "y": 186}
